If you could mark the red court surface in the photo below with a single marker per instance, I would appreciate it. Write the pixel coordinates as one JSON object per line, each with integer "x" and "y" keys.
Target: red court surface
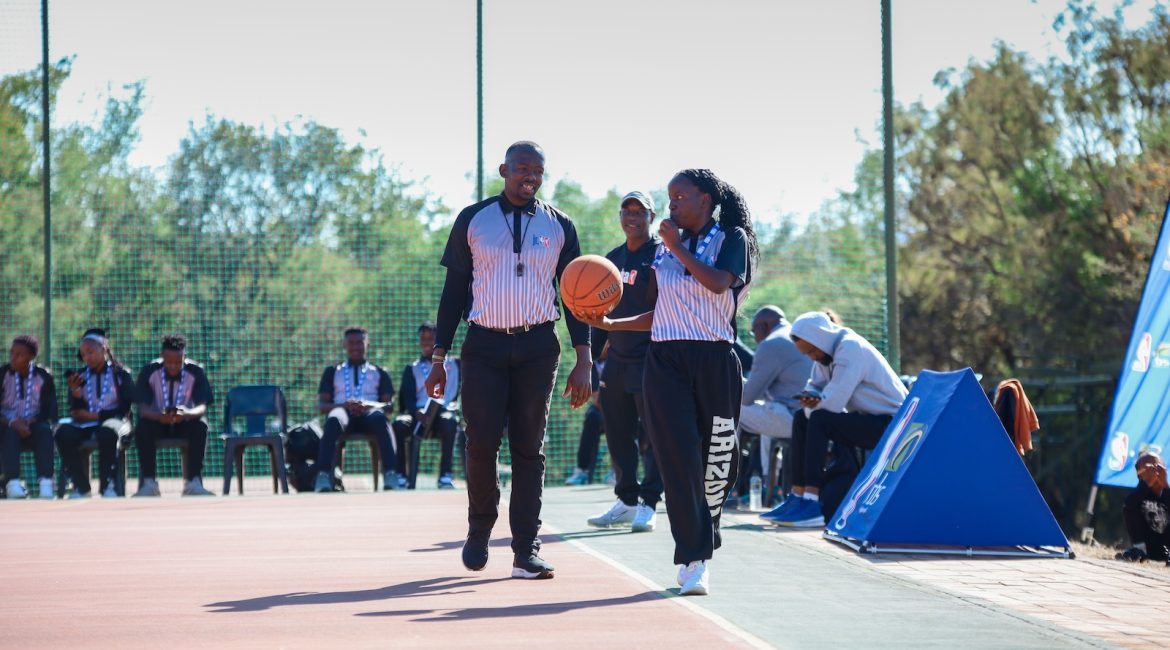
{"x": 335, "y": 570}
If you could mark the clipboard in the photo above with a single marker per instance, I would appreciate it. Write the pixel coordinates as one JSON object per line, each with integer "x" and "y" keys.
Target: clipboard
{"x": 424, "y": 427}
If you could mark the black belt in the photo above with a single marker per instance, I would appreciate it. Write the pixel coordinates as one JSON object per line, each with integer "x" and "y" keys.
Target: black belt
{"x": 520, "y": 329}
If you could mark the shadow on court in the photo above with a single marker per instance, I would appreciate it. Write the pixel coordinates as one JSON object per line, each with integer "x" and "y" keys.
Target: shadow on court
{"x": 447, "y": 586}
{"x": 512, "y": 611}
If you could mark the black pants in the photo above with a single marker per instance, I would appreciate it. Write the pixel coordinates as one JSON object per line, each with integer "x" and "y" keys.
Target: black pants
{"x": 811, "y": 436}
{"x": 591, "y": 429}
{"x": 692, "y": 391}
{"x": 40, "y": 441}
{"x": 508, "y": 378}
{"x": 69, "y": 439}
{"x": 373, "y": 421}
{"x": 149, "y": 432}
{"x": 444, "y": 427}
{"x": 624, "y": 410}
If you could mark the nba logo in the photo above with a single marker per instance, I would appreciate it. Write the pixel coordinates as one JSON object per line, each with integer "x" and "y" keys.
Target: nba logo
{"x": 1141, "y": 361}
{"x": 1118, "y": 451}
{"x": 630, "y": 276}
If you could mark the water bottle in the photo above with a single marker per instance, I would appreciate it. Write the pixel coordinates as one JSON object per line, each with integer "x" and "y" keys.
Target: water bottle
{"x": 754, "y": 502}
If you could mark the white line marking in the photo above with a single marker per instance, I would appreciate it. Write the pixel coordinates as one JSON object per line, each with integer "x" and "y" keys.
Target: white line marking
{"x": 681, "y": 601}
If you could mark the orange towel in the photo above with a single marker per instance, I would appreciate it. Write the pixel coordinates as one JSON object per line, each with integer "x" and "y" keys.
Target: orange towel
{"x": 1025, "y": 421}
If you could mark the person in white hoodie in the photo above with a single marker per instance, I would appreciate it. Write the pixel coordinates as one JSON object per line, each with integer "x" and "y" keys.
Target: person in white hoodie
{"x": 851, "y": 396}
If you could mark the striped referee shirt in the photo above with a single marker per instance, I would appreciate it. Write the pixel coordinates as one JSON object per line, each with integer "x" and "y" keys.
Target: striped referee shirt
{"x": 32, "y": 397}
{"x": 367, "y": 383}
{"x": 160, "y": 391}
{"x": 509, "y": 289}
{"x": 686, "y": 310}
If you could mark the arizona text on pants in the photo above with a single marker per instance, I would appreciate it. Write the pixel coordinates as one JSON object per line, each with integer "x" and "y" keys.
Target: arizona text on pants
{"x": 694, "y": 437}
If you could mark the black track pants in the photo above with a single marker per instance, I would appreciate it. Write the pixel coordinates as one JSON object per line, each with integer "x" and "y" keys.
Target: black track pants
{"x": 692, "y": 391}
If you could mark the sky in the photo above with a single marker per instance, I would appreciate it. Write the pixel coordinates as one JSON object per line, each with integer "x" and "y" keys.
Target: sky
{"x": 778, "y": 97}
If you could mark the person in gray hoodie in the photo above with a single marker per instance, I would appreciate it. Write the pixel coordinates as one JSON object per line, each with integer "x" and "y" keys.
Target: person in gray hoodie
{"x": 851, "y": 395}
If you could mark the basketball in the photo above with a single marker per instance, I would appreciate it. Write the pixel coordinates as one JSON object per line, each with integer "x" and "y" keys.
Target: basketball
{"x": 591, "y": 283}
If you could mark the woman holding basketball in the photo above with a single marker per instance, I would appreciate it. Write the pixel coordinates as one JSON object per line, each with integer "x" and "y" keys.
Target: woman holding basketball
{"x": 692, "y": 383}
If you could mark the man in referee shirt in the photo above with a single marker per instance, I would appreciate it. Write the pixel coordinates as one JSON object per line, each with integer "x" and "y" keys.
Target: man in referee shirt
{"x": 504, "y": 258}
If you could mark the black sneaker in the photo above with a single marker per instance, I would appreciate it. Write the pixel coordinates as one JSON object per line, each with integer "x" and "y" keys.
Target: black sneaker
{"x": 530, "y": 567}
{"x": 475, "y": 551}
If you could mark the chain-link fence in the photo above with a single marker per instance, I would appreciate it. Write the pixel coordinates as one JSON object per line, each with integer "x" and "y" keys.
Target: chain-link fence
{"x": 262, "y": 244}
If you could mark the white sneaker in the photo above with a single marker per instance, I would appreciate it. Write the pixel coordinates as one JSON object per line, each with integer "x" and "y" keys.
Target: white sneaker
{"x": 111, "y": 492}
{"x": 696, "y": 580}
{"x": 681, "y": 578}
{"x": 619, "y": 514}
{"x": 76, "y": 494}
{"x": 48, "y": 489}
{"x": 149, "y": 488}
{"x": 578, "y": 477}
{"x": 194, "y": 488}
{"x": 16, "y": 489}
{"x": 645, "y": 518}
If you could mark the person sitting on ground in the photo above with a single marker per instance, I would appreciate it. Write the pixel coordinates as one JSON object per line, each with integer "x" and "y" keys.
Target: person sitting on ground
{"x": 851, "y": 396}
{"x": 28, "y": 412}
{"x": 101, "y": 395}
{"x": 412, "y": 406}
{"x": 354, "y": 397}
{"x": 1147, "y": 512}
{"x": 173, "y": 397}
{"x": 779, "y": 372}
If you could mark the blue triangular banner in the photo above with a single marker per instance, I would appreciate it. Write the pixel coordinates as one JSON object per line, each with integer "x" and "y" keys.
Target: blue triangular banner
{"x": 1140, "y": 418}
{"x": 946, "y": 474}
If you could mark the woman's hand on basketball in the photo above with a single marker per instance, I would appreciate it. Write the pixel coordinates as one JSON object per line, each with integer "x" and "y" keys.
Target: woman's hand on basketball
{"x": 593, "y": 319}
{"x": 436, "y": 383}
{"x": 578, "y": 388}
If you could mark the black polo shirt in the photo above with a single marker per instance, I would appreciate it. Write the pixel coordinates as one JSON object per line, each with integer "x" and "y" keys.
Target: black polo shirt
{"x": 637, "y": 298}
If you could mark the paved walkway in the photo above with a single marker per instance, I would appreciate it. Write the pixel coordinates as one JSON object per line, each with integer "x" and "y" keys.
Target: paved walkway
{"x": 1112, "y": 601}
{"x": 793, "y": 589}
{"x": 370, "y": 570}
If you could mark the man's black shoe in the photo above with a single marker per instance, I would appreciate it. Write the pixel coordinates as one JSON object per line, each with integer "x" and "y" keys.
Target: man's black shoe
{"x": 530, "y": 567}
{"x": 475, "y": 551}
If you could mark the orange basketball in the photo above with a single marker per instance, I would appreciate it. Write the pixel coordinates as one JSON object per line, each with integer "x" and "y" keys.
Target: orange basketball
{"x": 591, "y": 283}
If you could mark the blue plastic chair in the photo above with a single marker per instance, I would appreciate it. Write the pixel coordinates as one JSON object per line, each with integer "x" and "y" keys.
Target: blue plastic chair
{"x": 256, "y": 404}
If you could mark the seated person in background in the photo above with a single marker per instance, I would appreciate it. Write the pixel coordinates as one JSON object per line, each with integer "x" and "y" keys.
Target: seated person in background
{"x": 101, "y": 395}
{"x": 412, "y": 404}
{"x": 173, "y": 396}
{"x": 592, "y": 428}
{"x": 354, "y": 396}
{"x": 28, "y": 411}
{"x": 779, "y": 372}
{"x": 1147, "y": 512}
{"x": 851, "y": 396}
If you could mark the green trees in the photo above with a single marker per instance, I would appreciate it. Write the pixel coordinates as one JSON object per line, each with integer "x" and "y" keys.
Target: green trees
{"x": 1033, "y": 195}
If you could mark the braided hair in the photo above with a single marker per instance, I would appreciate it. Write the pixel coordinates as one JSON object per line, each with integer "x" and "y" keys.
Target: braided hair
{"x": 733, "y": 210}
